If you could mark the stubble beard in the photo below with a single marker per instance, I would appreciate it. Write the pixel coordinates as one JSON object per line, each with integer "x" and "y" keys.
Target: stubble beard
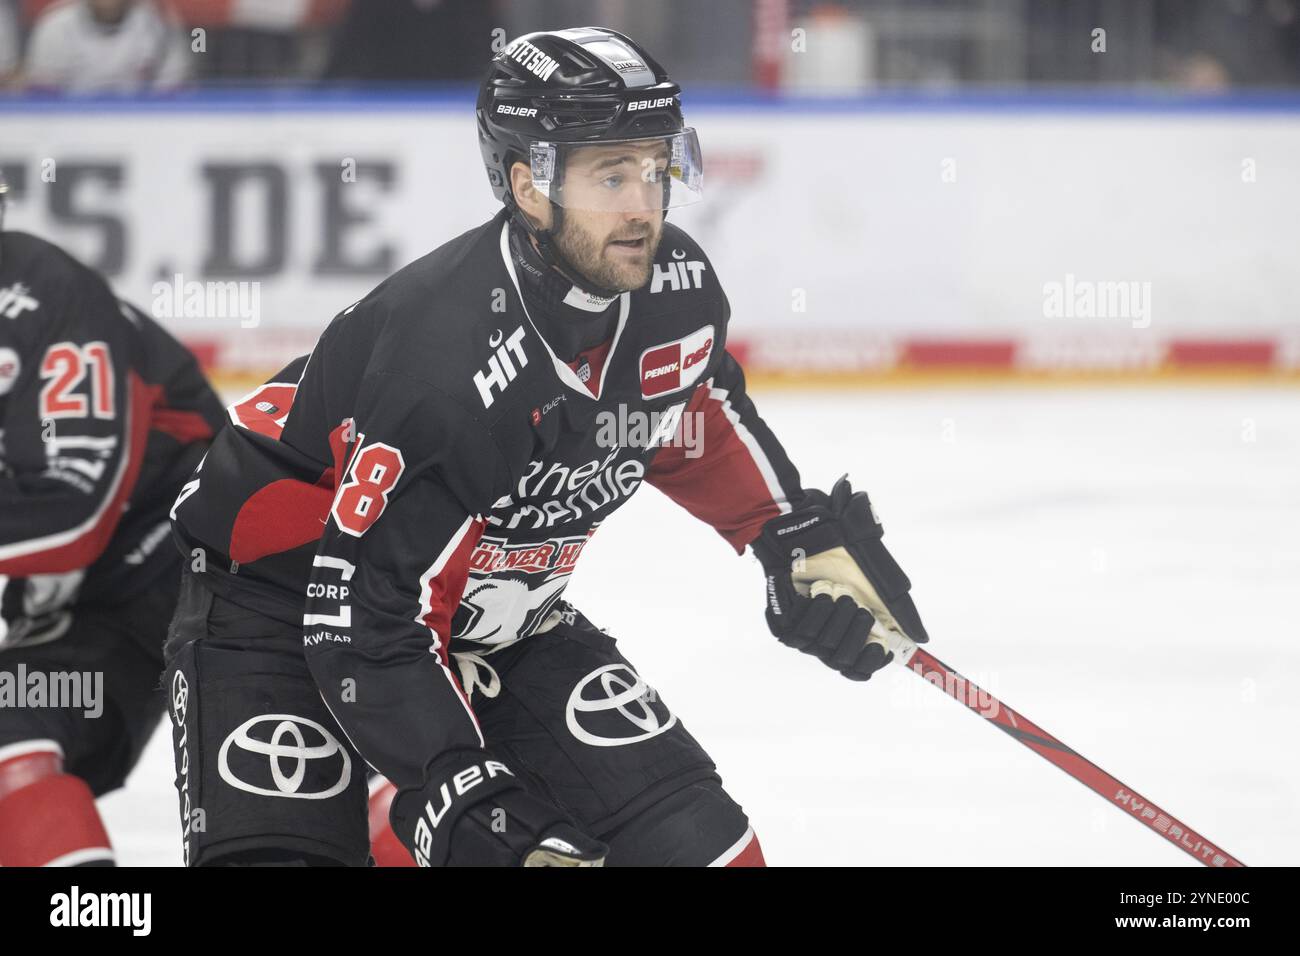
{"x": 587, "y": 254}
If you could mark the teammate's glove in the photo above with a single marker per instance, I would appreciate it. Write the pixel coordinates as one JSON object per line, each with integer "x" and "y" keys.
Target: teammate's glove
{"x": 831, "y": 584}
{"x": 472, "y": 811}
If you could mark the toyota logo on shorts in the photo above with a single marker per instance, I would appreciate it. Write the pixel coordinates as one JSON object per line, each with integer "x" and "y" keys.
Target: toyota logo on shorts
{"x": 180, "y": 697}
{"x": 612, "y": 707}
{"x": 280, "y": 754}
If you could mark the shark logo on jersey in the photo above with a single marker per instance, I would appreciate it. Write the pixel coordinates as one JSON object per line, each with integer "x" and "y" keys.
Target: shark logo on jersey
{"x": 513, "y": 586}
{"x": 16, "y": 300}
{"x": 516, "y": 576}
{"x": 501, "y": 370}
{"x": 503, "y": 610}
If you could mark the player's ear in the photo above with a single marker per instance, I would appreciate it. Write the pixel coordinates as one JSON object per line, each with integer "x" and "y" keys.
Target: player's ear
{"x": 529, "y": 200}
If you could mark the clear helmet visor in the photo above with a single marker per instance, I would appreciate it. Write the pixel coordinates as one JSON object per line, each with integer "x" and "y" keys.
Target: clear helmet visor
{"x": 629, "y": 175}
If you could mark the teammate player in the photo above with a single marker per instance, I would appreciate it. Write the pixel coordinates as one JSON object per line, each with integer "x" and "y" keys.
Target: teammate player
{"x": 406, "y": 505}
{"x": 102, "y": 417}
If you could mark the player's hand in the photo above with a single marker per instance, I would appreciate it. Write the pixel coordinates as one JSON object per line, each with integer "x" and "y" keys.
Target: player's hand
{"x": 472, "y": 811}
{"x": 833, "y": 591}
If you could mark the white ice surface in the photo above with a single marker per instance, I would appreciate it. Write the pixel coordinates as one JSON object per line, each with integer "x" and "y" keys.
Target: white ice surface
{"x": 1121, "y": 566}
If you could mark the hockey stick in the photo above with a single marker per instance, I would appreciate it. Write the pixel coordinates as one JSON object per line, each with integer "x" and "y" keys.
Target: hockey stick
{"x": 887, "y": 633}
{"x": 1050, "y": 748}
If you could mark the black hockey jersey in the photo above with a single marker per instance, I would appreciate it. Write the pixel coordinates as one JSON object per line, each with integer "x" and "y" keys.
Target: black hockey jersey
{"x": 102, "y": 416}
{"x": 426, "y": 480}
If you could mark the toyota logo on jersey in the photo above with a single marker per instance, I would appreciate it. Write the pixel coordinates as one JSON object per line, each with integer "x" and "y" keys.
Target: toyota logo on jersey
{"x": 613, "y": 707}
{"x": 676, "y": 365}
{"x": 281, "y": 755}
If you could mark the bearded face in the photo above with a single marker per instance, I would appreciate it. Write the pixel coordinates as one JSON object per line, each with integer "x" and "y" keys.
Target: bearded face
{"x": 613, "y": 255}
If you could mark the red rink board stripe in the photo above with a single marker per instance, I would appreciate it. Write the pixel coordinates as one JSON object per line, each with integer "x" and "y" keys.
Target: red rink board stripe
{"x": 1199, "y": 353}
{"x": 959, "y": 353}
{"x": 839, "y": 354}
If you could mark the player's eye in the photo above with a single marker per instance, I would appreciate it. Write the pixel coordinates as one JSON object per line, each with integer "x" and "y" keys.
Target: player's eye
{"x": 613, "y": 182}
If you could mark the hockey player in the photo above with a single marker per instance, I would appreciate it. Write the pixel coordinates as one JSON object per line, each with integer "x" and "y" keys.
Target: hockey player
{"x": 406, "y": 505}
{"x": 102, "y": 417}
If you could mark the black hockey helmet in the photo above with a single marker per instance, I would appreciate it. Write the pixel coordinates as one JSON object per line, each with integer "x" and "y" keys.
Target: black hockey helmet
{"x": 549, "y": 93}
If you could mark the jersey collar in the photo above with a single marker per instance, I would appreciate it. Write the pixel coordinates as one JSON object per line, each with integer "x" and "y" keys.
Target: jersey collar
{"x": 567, "y": 375}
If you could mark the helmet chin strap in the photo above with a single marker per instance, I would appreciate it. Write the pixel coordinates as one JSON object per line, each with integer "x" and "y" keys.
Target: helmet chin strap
{"x": 550, "y": 251}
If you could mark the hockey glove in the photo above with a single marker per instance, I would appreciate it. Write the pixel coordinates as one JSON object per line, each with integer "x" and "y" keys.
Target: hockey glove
{"x": 833, "y": 591}
{"x": 472, "y": 811}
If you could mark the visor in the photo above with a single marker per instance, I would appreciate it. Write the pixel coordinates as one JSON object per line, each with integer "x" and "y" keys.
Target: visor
{"x": 627, "y": 175}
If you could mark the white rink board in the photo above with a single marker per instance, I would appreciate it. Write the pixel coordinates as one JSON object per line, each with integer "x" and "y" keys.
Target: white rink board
{"x": 851, "y": 208}
{"x": 1119, "y": 565}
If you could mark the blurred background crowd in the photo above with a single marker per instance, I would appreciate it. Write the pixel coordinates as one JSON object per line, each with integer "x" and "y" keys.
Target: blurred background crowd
{"x": 135, "y": 45}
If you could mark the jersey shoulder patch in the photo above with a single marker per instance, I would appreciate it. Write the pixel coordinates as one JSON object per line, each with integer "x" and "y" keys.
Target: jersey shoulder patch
{"x": 452, "y": 320}
{"x": 680, "y": 265}
{"x": 43, "y": 286}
